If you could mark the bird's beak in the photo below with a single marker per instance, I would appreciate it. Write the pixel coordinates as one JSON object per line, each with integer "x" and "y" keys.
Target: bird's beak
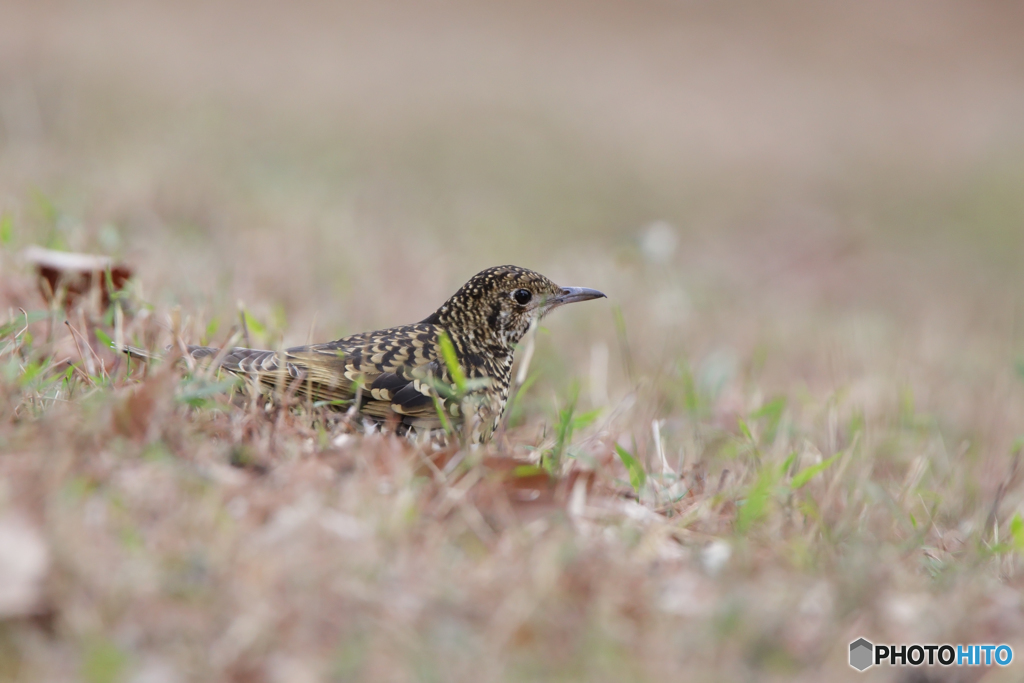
{"x": 571, "y": 295}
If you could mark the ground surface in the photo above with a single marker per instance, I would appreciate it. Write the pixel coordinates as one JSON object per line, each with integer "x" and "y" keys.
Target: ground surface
{"x": 809, "y": 224}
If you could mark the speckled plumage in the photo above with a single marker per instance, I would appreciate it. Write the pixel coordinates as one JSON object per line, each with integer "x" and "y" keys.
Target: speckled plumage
{"x": 395, "y": 371}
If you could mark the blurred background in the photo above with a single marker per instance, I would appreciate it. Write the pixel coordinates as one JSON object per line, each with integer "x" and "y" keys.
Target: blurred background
{"x": 728, "y": 173}
{"x": 818, "y": 201}
{"x": 731, "y": 174}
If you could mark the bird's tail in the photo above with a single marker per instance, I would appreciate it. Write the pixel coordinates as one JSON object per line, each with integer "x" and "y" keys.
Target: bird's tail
{"x": 231, "y": 358}
{"x": 137, "y": 353}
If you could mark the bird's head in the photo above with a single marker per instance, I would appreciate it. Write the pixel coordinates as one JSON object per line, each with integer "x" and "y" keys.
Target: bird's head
{"x": 497, "y": 305}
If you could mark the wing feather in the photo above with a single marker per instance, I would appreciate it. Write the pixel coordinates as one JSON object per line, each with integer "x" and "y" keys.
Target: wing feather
{"x": 392, "y": 366}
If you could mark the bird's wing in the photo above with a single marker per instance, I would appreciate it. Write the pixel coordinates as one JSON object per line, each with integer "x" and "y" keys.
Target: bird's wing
{"x": 394, "y": 371}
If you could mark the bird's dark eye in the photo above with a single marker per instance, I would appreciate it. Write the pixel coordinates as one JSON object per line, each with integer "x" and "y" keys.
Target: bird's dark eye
{"x": 522, "y": 296}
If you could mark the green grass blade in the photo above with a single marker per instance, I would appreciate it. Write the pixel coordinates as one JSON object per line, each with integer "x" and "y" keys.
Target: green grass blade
{"x": 637, "y": 475}
{"x": 451, "y": 360}
{"x": 805, "y": 475}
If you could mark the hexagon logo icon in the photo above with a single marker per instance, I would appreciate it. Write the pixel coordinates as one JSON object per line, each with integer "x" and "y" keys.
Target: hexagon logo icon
{"x": 861, "y": 654}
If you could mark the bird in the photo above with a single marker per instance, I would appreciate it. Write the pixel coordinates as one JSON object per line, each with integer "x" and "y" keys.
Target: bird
{"x": 401, "y": 375}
